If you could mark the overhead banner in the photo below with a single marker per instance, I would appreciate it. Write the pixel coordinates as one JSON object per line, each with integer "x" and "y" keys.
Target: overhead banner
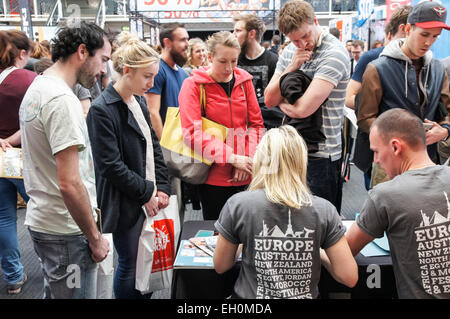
{"x": 189, "y": 11}
{"x": 25, "y": 18}
{"x": 391, "y": 5}
{"x": 365, "y": 10}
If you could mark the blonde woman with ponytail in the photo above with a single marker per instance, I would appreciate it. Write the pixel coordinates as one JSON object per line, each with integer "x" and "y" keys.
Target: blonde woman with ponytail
{"x": 285, "y": 231}
{"x": 130, "y": 172}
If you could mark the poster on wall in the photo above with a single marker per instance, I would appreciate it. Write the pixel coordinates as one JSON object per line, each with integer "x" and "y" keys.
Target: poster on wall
{"x": 391, "y": 5}
{"x": 376, "y": 31}
{"x": 189, "y": 11}
{"x": 365, "y": 10}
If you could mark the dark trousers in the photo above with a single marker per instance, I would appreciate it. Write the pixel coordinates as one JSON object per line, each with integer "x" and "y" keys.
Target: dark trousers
{"x": 213, "y": 198}
{"x": 126, "y": 244}
{"x": 323, "y": 178}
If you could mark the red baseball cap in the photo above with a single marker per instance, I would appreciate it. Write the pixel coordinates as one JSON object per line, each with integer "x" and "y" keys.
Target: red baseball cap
{"x": 428, "y": 14}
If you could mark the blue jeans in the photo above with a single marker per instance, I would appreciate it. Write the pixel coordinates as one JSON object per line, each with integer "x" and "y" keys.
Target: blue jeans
{"x": 9, "y": 244}
{"x": 68, "y": 267}
{"x": 126, "y": 244}
{"x": 323, "y": 178}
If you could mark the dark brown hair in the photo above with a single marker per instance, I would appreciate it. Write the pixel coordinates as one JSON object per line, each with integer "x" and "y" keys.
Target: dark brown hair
{"x": 11, "y": 43}
{"x": 167, "y": 31}
{"x": 399, "y": 17}
{"x": 252, "y": 22}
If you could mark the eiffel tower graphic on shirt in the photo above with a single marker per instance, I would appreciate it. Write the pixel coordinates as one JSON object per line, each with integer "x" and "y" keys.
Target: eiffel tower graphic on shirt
{"x": 276, "y": 231}
{"x": 436, "y": 218}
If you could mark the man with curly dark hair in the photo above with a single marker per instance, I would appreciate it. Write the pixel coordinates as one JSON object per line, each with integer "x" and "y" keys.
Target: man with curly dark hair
{"x": 58, "y": 169}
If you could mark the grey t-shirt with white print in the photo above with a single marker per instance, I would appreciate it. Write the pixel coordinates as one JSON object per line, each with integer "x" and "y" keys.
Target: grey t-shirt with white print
{"x": 414, "y": 210}
{"x": 281, "y": 256}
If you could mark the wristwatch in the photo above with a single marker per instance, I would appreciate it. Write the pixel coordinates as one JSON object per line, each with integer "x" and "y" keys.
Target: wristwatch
{"x": 448, "y": 131}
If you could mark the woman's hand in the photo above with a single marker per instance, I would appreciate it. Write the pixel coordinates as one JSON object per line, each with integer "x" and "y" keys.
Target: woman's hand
{"x": 4, "y": 144}
{"x": 240, "y": 162}
{"x": 152, "y": 206}
{"x": 163, "y": 199}
{"x": 239, "y": 176}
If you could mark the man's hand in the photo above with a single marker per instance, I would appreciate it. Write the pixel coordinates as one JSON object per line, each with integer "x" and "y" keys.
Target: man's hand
{"x": 436, "y": 133}
{"x": 100, "y": 248}
{"x": 300, "y": 56}
{"x": 76, "y": 199}
{"x": 288, "y": 109}
{"x": 163, "y": 199}
{"x": 4, "y": 144}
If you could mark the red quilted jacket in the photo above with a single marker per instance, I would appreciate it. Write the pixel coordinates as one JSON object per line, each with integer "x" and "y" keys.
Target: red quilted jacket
{"x": 240, "y": 113}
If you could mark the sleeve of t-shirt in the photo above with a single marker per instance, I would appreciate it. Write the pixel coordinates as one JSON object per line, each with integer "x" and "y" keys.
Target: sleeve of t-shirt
{"x": 360, "y": 67}
{"x": 273, "y": 60}
{"x": 285, "y": 58}
{"x": 158, "y": 82}
{"x": 60, "y": 124}
{"x": 372, "y": 220}
{"x": 334, "y": 228}
{"x": 332, "y": 67}
{"x": 225, "y": 225}
{"x": 81, "y": 92}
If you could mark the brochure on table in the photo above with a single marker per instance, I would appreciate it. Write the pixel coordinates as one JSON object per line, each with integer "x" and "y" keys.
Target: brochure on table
{"x": 11, "y": 163}
{"x": 191, "y": 257}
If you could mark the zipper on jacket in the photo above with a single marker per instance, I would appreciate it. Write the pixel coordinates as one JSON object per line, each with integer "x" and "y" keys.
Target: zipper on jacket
{"x": 231, "y": 111}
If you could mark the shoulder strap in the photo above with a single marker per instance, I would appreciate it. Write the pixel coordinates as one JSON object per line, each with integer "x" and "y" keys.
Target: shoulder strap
{"x": 245, "y": 96}
{"x": 6, "y": 72}
{"x": 203, "y": 99}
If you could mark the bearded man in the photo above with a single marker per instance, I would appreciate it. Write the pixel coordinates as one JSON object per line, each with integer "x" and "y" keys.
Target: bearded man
{"x": 57, "y": 164}
{"x": 174, "y": 42}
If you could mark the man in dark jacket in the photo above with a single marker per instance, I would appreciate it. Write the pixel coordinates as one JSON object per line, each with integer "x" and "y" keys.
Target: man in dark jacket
{"x": 395, "y": 29}
{"x": 406, "y": 76}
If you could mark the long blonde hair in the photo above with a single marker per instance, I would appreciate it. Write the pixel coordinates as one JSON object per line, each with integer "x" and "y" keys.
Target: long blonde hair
{"x": 192, "y": 43}
{"x": 279, "y": 168}
{"x": 133, "y": 53}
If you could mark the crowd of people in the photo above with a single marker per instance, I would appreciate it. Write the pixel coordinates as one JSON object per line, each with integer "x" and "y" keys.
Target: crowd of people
{"x": 89, "y": 112}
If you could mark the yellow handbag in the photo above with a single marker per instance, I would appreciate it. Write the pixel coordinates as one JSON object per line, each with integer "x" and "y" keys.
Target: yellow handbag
{"x": 181, "y": 160}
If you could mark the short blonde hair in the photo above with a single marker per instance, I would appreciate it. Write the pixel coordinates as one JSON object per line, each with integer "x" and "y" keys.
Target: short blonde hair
{"x": 133, "y": 53}
{"x": 279, "y": 167}
{"x": 222, "y": 38}
{"x": 192, "y": 43}
{"x": 293, "y": 14}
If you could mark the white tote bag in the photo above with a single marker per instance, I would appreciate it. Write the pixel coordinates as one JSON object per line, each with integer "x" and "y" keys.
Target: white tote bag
{"x": 105, "y": 274}
{"x": 157, "y": 249}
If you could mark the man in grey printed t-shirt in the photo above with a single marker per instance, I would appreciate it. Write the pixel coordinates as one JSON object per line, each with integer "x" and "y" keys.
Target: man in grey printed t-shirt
{"x": 324, "y": 59}
{"x": 413, "y": 208}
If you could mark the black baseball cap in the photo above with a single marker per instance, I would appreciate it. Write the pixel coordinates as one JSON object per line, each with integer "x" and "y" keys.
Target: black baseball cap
{"x": 427, "y": 15}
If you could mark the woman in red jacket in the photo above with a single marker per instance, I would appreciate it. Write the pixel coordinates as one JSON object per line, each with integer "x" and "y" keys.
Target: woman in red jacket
{"x": 230, "y": 101}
